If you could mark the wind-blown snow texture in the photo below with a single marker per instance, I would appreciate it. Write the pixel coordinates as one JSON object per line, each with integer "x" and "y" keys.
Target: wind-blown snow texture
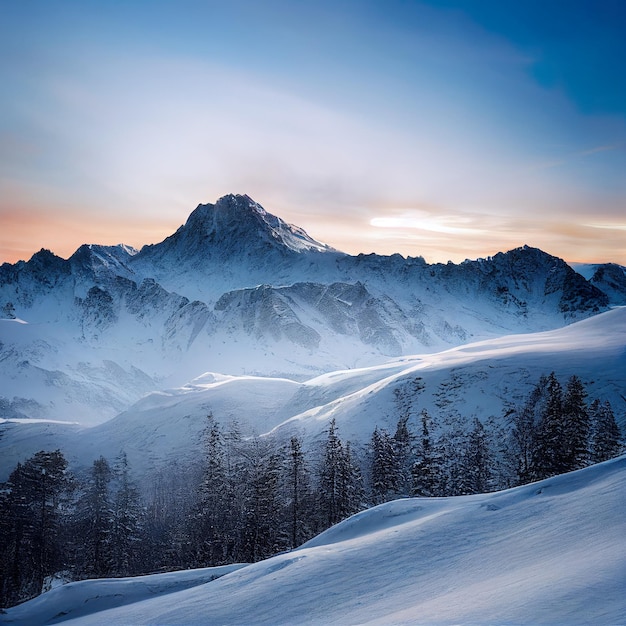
{"x": 236, "y": 290}
{"x": 551, "y": 552}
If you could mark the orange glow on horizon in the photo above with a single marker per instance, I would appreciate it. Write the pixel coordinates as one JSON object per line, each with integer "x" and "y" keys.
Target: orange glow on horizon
{"x": 24, "y": 233}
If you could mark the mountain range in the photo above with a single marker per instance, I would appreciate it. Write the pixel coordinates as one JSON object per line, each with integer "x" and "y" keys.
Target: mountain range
{"x": 240, "y": 314}
{"x": 246, "y": 318}
{"x": 238, "y": 291}
{"x": 484, "y": 379}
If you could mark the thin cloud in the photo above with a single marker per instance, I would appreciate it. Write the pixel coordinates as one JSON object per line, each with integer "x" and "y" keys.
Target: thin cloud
{"x": 449, "y": 224}
{"x": 608, "y": 226}
{"x": 449, "y": 123}
{"x": 597, "y": 149}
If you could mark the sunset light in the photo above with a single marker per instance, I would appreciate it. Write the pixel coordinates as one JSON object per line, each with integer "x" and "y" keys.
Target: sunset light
{"x": 326, "y": 114}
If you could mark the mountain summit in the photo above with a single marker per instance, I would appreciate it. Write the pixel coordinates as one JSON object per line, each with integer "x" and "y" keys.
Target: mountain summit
{"x": 234, "y": 227}
{"x": 235, "y": 242}
{"x": 239, "y": 218}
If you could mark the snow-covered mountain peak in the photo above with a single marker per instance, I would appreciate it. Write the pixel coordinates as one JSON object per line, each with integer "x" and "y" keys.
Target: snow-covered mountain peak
{"x": 239, "y": 291}
{"x": 609, "y": 277}
{"x": 236, "y": 243}
{"x": 108, "y": 255}
{"x": 239, "y": 216}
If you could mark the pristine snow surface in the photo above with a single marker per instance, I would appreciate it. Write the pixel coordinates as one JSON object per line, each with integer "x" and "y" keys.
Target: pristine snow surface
{"x": 552, "y": 552}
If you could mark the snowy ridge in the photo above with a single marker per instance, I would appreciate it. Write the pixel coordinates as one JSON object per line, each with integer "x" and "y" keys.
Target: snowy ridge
{"x": 609, "y": 277}
{"x": 551, "y": 552}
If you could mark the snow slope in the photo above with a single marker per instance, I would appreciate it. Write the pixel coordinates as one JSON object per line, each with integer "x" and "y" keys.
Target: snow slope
{"x": 482, "y": 380}
{"x": 551, "y": 552}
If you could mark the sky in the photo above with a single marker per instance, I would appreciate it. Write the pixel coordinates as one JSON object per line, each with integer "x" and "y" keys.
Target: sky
{"x": 449, "y": 129}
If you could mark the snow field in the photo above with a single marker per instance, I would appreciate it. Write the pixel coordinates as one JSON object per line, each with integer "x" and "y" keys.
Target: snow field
{"x": 552, "y": 552}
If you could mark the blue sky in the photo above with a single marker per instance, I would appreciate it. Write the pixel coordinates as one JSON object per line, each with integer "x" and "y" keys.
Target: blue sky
{"x": 449, "y": 129}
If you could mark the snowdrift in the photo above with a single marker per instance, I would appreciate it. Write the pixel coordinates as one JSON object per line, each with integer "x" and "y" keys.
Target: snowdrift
{"x": 553, "y": 552}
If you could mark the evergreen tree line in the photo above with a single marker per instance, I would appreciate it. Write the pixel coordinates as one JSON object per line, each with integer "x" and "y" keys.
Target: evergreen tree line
{"x": 249, "y": 498}
{"x": 52, "y": 525}
{"x": 552, "y": 432}
{"x": 556, "y": 431}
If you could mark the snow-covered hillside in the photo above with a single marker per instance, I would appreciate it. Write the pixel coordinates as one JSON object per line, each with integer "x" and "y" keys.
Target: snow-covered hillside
{"x": 481, "y": 380}
{"x": 551, "y": 552}
{"x": 238, "y": 291}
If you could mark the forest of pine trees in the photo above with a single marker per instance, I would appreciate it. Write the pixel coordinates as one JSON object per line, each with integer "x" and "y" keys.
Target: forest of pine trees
{"x": 249, "y": 498}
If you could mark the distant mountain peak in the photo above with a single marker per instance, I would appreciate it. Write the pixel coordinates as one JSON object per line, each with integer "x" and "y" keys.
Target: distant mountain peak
{"x": 238, "y": 216}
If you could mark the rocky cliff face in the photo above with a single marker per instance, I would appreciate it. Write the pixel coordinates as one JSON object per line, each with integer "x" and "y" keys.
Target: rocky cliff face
{"x": 610, "y": 278}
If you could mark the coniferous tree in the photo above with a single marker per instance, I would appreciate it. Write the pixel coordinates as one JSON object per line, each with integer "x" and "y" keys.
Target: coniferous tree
{"x": 96, "y": 522}
{"x": 233, "y": 503}
{"x": 32, "y": 520}
{"x": 425, "y": 470}
{"x": 260, "y": 524}
{"x": 476, "y": 474}
{"x": 549, "y": 451}
{"x": 384, "y": 470}
{"x": 208, "y": 522}
{"x": 329, "y": 479}
{"x": 523, "y": 441}
{"x": 451, "y": 448}
{"x": 403, "y": 453}
{"x": 15, "y": 519}
{"x": 127, "y": 520}
{"x": 167, "y": 542}
{"x": 6, "y": 535}
{"x": 501, "y": 476}
{"x": 14, "y": 526}
{"x": 297, "y": 493}
{"x": 605, "y": 438}
{"x": 352, "y": 492}
{"x": 340, "y": 481}
{"x": 575, "y": 426}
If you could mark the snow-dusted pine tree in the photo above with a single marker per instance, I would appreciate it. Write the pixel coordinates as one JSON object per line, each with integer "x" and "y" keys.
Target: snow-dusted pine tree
{"x": 33, "y": 504}
{"x": 127, "y": 521}
{"x": 96, "y": 522}
{"x": 575, "y": 426}
{"x": 605, "y": 434}
{"x": 549, "y": 458}
{"x": 426, "y": 469}
{"x": 383, "y": 471}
